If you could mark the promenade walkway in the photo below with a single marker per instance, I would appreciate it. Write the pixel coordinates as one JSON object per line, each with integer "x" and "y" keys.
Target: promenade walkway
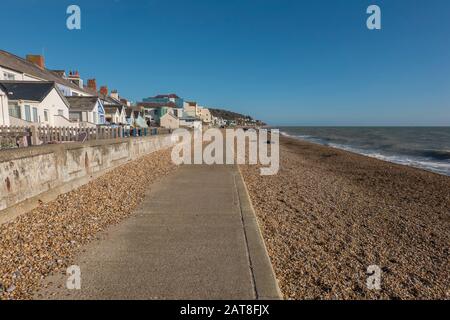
{"x": 194, "y": 237}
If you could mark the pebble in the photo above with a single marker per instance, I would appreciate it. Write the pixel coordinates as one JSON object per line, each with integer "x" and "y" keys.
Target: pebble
{"x": 45, "y": 240}
{"x": 11, "y": 289}
{"x": 325, "y": 219}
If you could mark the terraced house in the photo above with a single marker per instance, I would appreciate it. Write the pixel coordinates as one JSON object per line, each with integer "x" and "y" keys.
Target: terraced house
{"x": 86, "y": 111}
{"x": 166, "y": 99}
{"x": 14, "y": 68}
{"x": 115, "y": 108}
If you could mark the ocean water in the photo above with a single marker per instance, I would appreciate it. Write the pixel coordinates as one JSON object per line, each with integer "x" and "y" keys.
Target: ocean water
{"x": 426, "y": 148}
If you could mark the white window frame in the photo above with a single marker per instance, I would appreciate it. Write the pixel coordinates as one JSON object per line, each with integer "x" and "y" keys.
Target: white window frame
{"x": 35, "y": 114}
{"x": 27, "y": 109}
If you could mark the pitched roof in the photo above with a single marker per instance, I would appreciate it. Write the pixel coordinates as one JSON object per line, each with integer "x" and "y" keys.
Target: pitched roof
{"x": 129, "y": 112}
{"x": 110, "y": 100}
{"x": 27, "y": 90}
{"x": 110, "y": 109}
{"x": 82, "y": 103}
{"x": 59, "y": 73}
{"x": 136, "y": 108}
{"x": 169, "y": 114}
{"x": 21, "y": 65}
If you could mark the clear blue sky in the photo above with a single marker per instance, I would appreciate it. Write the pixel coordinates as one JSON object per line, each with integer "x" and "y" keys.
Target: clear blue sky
{"x": 287, "y": 62}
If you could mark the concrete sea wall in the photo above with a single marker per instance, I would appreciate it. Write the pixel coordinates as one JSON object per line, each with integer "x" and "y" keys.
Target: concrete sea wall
{"x": 31, "y": 175}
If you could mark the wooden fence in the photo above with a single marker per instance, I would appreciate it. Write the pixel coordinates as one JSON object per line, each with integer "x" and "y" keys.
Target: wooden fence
{"x": 17, "y": 137}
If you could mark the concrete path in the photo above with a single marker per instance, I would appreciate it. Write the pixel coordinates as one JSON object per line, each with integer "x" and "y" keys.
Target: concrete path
{"x": 194, "y": 237}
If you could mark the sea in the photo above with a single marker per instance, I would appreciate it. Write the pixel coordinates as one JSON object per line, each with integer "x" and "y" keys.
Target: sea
{"x": 426, "y": 148}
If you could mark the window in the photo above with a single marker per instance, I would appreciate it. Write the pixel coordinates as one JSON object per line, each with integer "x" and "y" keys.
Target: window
{"x": 75, "y": 116}
{"x": 27, "y": 113}
{"x": 60, "y": 112}
{"x": 35, "y": 115}
{"x": 95, "y": 117}
{"x": 14, "y": 110}
{"x": 46, "y": 115}
{"x": 8, "y": 76}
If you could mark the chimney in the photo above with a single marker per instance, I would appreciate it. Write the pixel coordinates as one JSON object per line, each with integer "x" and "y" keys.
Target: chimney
{"x": 92, "y": 84}
{"x": 74, "y": 77}
{"x": 37, "y": 60}
{"x": 114, "y": 94}
{"x": 104, "y": 90}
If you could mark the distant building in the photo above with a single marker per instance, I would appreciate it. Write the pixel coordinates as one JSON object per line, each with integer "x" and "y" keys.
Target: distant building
{"x": 191, "y": 109}
{"x": 115, "y": 108}
{"x": 190, "y": 122}
{"x": 154, "y": 111}
{"x": 165, "y": 99}
{"x": 169, "y": 121}
{"x": 135, "y": 118}
{"x": 115, "y": 114}
{"x": 206, "y": 116}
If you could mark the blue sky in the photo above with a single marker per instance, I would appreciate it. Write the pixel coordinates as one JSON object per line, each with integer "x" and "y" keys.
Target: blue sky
{"x": 287, "y": 62}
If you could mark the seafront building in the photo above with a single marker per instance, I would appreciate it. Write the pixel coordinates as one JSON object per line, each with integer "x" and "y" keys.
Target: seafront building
{"x": 191, "y": 109}
{"x": 205, "y": 116}
{"x": 32, "y": 95}
{"x": 87, "y": 111}
{"x": 166, "y": 99}
{"x": 14, "y": 68}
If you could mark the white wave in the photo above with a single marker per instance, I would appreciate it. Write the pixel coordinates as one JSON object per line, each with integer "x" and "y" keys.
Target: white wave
{"x": 417, "y": 162}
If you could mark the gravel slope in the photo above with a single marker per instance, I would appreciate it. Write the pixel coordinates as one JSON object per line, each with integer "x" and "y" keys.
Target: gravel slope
{"x": 44, "y": 240}
{"x": 329, "y": 214}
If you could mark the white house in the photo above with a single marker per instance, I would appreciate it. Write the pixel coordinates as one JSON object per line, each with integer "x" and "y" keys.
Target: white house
{"x": 35, "y": 102}
{"x": 14, "y": 68}
{"x": 112, "y": 114}
{"x": 191, "y": 109}
{"x": 122, "y": 114}
{"x": 135, "y": 118}
{"x": 86, "y": 110}
{"x": 115, "y": 114}
{"x": 130, "y": 116}
{"x": 115, "y": 109}
{"x": 190, "y": 122}
{"x": 205, "y": 115}
{"x": 169, "y": 121}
